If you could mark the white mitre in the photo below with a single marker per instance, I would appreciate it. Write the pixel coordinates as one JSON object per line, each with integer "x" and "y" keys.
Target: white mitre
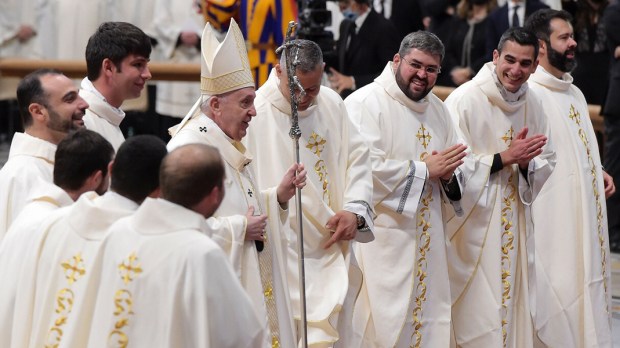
{"x": 224, "y": 67}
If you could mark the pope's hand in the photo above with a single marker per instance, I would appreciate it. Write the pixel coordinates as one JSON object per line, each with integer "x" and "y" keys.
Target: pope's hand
{"x": 295, "y": 177}
{"x": 343, "y": 226}
{"x": 255, "y": 229}
{"x": 523, "y": 149}
{"x": 443, "y": 164}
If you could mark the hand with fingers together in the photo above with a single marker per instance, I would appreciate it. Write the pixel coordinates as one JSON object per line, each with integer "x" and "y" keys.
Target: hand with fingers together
{"x": 255, "y": 229}
{"x": 340, "y": 82}
{"x": 443, "y": 164}
{"x": 343, "y": 226}
{"x": 608, "y": 182}
{"x": 523, "y": 149}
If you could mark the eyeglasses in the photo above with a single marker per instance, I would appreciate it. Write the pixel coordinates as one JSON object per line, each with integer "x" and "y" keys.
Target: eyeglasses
{"x": 431, "y": 70}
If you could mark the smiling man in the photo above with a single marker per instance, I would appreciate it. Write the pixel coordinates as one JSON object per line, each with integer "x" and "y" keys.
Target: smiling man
{"x": 487, "y": 248}
{"x": 570, "y": 306}
{"x": 117, "y": 57}
{"x": 50, "y": 108}
{"x": 414, "y": 150}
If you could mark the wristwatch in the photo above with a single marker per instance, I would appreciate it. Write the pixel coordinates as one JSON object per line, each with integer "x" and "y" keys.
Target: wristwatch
{"x": 361, "y": 222}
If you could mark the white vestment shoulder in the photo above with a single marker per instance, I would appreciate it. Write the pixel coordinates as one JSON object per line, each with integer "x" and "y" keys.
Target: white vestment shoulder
{"x": 66, "y": 272}
{"x": 18, "y": 241}
{"x": 227, "y": 226}
{"x": 405, "y": 297}
{"x": 30, "y": 159}
{"x": 164, "y": 283}
{"x": 102, "y": 118}
{"x": 338, "y": 178}
{"x": 487, "y": 245}
{"x": 569, "y": 215}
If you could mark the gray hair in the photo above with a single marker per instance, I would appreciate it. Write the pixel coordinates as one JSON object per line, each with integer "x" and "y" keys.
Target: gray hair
{"x": 424, "y": 41}
{"x": 309, "y": 55}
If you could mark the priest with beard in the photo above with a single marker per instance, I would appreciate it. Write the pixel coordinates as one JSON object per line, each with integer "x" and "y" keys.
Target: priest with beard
{"x": 412, "y": 175}
{"x": 571, "y": 306}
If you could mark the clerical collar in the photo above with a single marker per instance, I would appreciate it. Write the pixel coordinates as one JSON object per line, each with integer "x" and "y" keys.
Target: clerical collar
{"x": 88, "y": 86}
{"x": 508, "y": 96}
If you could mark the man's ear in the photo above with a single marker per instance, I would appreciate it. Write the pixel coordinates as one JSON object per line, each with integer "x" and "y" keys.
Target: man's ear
{"x": 214, "y": 103}
{"x": 107, "y": 66}
{"x": 93, "y": 181}
{"x": 542, "y": 47}
{"x": 38, "y": 112}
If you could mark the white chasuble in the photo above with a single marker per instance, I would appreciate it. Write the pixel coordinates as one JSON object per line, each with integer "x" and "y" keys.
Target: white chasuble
{"x": 164, "y": 283}
{"x": 228, "y": 224}
{"x": 487, "y": 245}
{"x": 30, "y": 159}
{"x": 100, "y": 116}
{"x": 571, "y": 257}
{"x": 405, "y": 297}
{"x": 65, "y": 266}
{"x": 337, "y": 162}
{"x": 18, "y": 241}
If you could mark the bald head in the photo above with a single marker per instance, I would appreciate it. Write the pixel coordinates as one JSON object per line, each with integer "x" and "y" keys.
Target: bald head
{"x": 190, "y": 173}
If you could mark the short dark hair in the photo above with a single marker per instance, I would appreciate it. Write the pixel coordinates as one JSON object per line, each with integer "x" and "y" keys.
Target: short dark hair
{"x": 189, "y": 173}
{"x": 115, "y": 41}
{"x": 539, "y": 22}
{"x": 135, "y": 172}
{"x": 424, "y": 41}
{"x": 80, "y": 154}
{"x": 309, "y": 55}
{"x": 521, "y": 36}
{"x": 30, "y": 90}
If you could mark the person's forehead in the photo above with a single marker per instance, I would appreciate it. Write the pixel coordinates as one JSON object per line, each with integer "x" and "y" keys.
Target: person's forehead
{"x": 57, "y": 86}
{"x": 243, "y": 93}
{"x": 520, "y": 52}
{"x": 423, "y": 57}
{"x": 559, "y": 27}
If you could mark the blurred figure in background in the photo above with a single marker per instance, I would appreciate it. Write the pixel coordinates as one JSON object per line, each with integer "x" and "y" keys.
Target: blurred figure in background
{"x": 592, "y": 69}
{"x": 466, "y": 47}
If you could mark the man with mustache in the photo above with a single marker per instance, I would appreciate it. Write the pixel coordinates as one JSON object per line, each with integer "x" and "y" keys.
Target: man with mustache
{"x": 504, "y": 123}
{"x": 415, "y": 152}
{"x": 50, "y": 107}
{"x": 117, "y": 57}
{"x": 569, "y": 214}
{"x": 336, "y": 202}
{"x": 248, "y": 225}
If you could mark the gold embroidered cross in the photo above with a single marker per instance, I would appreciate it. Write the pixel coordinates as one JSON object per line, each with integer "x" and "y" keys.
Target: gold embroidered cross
{"x": 316, "y": 144}
{"x": 507, "y": 138}
{"x": 574, "y": 115}
{"x": 126, "y": 270}
{"x": 268, "y": 293}
{"x": 423, "y": 136}
{"x": 75, "y": 270}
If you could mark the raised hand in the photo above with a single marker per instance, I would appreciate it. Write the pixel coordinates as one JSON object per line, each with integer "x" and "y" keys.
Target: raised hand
{"x": 523, "y": 149}
{"x": 295, "y": 177}
{"x": 443, "y": 164}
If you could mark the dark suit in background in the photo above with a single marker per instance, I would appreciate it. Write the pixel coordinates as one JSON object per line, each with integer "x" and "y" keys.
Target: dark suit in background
{"x": 611, "y": 111}
{"x": 498, "y": 23}
{"x": 406, "y": 16}
{"x": 368, "y": 51}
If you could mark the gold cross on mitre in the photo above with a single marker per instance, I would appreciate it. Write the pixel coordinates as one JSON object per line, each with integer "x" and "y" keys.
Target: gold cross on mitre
{"x": 126, "y": 270}
{"x": 424, "y": 136}
{"x": 507, "y": 138}
{"x": 574, "y": 115}
{"x": 74, "y": 270}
